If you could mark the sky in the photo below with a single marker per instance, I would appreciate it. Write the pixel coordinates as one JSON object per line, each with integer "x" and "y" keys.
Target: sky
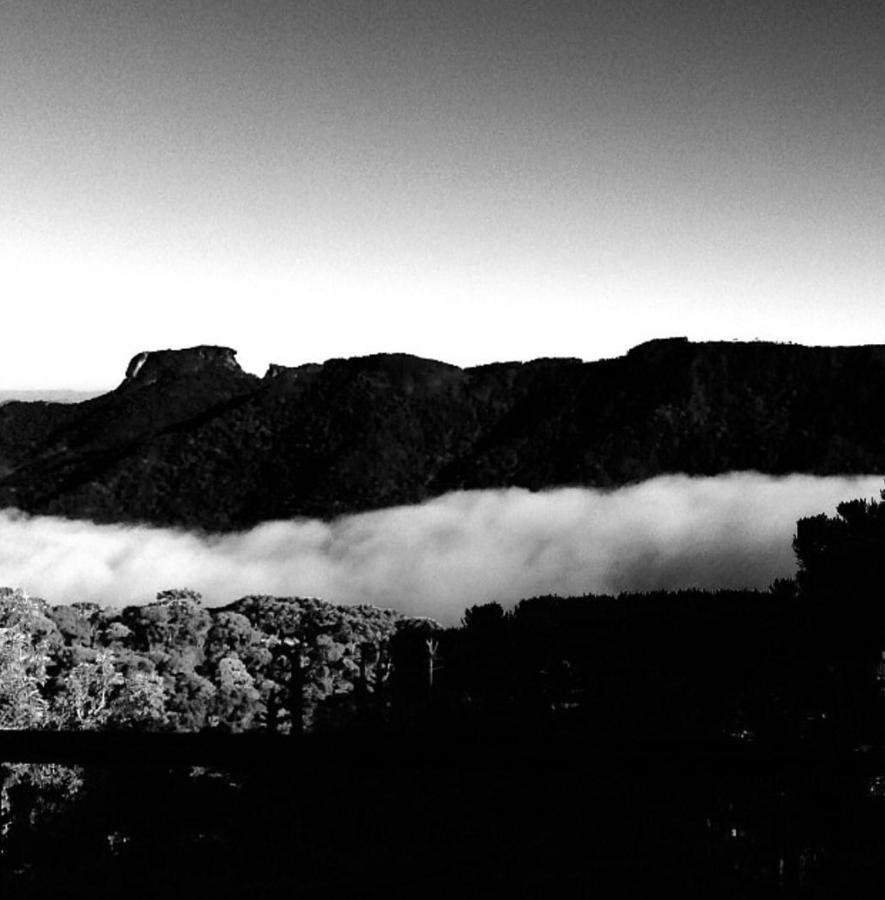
{"x": 467, "y": 181}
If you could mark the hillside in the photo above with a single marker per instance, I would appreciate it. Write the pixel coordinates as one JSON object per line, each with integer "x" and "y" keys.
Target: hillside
{"x": 190, "y": 439}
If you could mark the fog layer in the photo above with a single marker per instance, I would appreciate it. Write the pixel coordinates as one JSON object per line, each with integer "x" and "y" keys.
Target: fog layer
{"x": 439, "y": 557}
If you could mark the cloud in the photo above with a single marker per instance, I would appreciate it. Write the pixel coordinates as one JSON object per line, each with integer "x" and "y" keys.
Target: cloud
{"x": 441, "y": 556}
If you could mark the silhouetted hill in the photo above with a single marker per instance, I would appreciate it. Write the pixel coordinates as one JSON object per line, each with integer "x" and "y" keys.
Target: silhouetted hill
{"x": 190, "y": 439}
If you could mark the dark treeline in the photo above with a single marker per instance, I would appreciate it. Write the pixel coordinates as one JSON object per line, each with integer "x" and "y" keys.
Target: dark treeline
{"x": 796, "y": 669}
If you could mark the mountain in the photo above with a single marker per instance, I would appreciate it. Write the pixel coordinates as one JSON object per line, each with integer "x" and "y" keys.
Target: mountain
{"x": 190, "y": 439}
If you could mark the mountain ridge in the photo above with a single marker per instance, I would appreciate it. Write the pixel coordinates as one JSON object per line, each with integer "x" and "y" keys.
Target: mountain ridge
{"x": 190, "y": 439}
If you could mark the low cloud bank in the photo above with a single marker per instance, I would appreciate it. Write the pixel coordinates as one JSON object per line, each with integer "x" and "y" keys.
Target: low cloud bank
{"x": 439, "y": 557}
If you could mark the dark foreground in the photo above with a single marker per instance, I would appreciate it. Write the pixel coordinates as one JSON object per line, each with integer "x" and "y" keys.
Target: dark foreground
{"x": 721, "y": 746}
{"x": 449, "y": 817}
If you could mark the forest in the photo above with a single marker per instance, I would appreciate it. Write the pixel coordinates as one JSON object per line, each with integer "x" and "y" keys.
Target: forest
{"x": 796, "y": 669}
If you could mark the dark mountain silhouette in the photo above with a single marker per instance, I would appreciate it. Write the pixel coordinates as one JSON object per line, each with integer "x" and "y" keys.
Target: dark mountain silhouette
{"x": 190, "y": 439}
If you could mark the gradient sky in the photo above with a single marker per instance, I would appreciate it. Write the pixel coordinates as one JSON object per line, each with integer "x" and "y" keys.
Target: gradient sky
{"x": 462, "y": 180}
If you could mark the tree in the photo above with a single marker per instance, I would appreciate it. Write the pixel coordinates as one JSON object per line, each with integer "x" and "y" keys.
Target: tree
{"x": 96, "y": 694}
{"x": 88, "y": 689}
{"x": 174, "y": 627}
{"x": 236, "y": 704}
{"x": 28, "y": 793}
{"x": 841, "y": 564}
{"x": 171, "y": 634}
{"x": 488, "y": 619}
{"x": 24, "y": 656}
{"x": 841, "y": 571}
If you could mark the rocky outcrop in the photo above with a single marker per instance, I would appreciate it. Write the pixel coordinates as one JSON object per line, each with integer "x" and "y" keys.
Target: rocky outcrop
{"x": 291, "y": 373}
{"x": 154, "y": 365}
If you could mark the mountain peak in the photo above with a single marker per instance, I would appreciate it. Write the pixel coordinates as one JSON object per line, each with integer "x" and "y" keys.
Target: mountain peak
{"x": 152, "y": 365}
